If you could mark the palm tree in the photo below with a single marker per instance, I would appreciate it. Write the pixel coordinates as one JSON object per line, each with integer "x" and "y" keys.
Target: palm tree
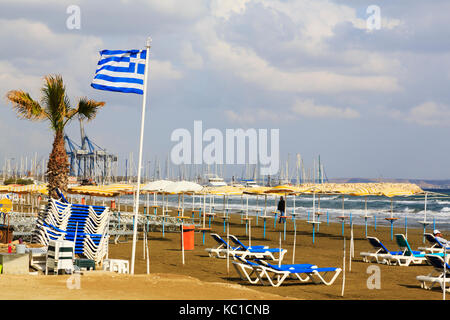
{"x": 54, "y": 107}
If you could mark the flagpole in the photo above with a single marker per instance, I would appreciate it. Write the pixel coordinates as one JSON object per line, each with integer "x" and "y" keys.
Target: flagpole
{"x": 136, "y": 201}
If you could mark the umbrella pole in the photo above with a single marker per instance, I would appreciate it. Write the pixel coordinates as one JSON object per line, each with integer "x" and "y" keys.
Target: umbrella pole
{"x": 351, "y": 253}
{"x": 193, "y": 205}
{"x": 284, "y": 219}
{"x": 314, "y": 217}
{"x": 246, "y": 216}
{"x": 318, "y": 211}
{"x": 365, "y": 218}
{"x": 265, "y": 214}
{"x": 279, "y": 255}
{"x": 293, "y": 247}
{"x": 164, "y": 213}
{"x": 148, "y": 258}
{"x": 343, "y": 272}
{"x": 445, "y": 273}
{"x": 425, "y": 218}
{"x": 242, "y": 207}
{"x": 257, "y": 212}
{"x": 182, "y": 241}
{"x": 391, "y": 220}
{"x": 343, "y": 213}
{"x": 143, "y": 241}
{"x": 406, "y": 225}
{"x": 275, "y": 220}
{"x": 293, "y": 210}
{"x": 279, "y": 247}
{"x": 228, "y": 251}
{"x": 204, "y": 210}
{"x": 204, "y": 217}
{"x": 264, "y": 234}
{"x": 249, "y": 233}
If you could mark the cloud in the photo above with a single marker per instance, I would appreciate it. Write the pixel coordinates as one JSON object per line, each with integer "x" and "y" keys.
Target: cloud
{"x": 301, "y": 108}
{"x": 276, "y": 62}
{"x": 22, "y": 139}
{"x": 308, "y": 108}
{"x": 224, "y": 9}
{"x": 429, "y": 113}
{"x": 247, "y": 65}
{"x": 191, "y": 59}
{"x": 163, "y": 70}
{"x": 252, "y": 116}
{"x": 12, "y": 78}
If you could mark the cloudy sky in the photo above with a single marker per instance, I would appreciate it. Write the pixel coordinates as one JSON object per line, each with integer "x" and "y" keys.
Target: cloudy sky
{"x": 371, "y": 102}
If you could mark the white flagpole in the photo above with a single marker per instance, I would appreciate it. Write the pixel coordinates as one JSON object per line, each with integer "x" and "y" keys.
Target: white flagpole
{"x": 141, "y": 142}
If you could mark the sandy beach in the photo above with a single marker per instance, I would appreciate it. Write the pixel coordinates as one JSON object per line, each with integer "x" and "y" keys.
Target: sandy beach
{"x": 206, "y": 278}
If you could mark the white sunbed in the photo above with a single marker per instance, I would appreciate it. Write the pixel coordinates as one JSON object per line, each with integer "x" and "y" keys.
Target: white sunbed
{"x": 436, "y": 276}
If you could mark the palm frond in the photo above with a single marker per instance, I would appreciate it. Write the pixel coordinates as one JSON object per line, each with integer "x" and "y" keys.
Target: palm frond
{"x": 56, "y": 101}
{"x": 88, "y": 108}
{"x": 25, "y": 106}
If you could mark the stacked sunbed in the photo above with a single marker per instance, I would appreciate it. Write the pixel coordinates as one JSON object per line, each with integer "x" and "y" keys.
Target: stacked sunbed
{"x": 85, "y": 225}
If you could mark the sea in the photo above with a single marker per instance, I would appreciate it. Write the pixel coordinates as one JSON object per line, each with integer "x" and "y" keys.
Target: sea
{"x": 410, "y": 211}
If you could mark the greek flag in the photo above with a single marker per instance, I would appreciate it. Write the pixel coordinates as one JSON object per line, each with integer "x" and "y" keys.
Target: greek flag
{"x": 120, "y": 70}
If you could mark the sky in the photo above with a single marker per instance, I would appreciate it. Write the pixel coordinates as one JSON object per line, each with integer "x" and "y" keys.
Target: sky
{"x": 372, "y": 102}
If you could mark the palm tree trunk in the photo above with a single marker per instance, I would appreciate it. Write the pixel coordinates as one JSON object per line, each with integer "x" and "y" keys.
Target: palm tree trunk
{"x": 57, "y": 167}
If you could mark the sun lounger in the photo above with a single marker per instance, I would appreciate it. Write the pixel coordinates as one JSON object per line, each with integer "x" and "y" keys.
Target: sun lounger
{"x": 220, "y": 251}
{"x": 247, "y": 270}
{"x": 437, "y": 275}
{"x": 436, "y": 246}
{"x": 275, "y": 275}
{"x": 380, "y": 254}
{"x": 261, "y": 252}
{"x": 61, "y": 196}
{"x": 409, "y": 256}
{"x": 259, "y": 249}
{"x": 239, "y": 244}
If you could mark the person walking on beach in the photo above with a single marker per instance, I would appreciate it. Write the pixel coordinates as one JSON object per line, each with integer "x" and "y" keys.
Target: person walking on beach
{"x": 281, "y": 207}
{"x": 439, "y": 237}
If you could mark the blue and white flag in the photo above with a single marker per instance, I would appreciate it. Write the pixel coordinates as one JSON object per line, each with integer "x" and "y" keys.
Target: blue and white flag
{"x": 120, "y": 70}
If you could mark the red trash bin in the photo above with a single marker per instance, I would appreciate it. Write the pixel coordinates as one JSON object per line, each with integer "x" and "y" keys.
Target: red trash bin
{"x": 188, "y": 237}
